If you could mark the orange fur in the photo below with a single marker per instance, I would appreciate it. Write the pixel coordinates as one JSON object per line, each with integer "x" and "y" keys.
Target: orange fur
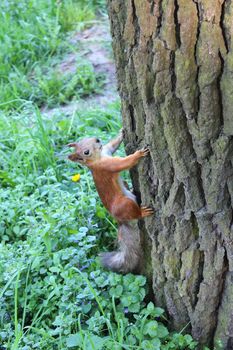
{"x": 106, "y": 176}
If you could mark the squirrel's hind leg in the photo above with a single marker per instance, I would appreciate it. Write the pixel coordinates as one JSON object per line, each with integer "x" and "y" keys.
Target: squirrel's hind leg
{"x": 125, "y": 209}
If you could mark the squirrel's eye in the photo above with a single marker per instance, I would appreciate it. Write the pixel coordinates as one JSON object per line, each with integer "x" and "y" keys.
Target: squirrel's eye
{"x": 86, "y": 152}
{"x": 98, "y": 140}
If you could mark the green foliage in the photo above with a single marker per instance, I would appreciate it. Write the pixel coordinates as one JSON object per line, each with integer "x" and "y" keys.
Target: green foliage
{"x": 79, "y": 14}
{"x": 58, "y": 88}
{"x": 50, "y": 87}
{"x": 28, "y": 32}
{"x": 75, "y": 15}
{"x": 58, "y": 303}
{"x": 31, "y": 32}
{"x": 31, "y": 143}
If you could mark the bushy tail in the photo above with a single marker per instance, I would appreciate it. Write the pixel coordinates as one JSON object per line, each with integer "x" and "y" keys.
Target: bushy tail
{"x": 129, "y": 255}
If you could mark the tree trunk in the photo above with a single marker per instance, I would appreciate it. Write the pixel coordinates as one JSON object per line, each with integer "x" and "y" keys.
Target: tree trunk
{"x": 174, "y": 63}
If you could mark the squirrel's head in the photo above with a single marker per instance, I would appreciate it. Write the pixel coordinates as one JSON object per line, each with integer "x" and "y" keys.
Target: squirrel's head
{"x": 86, "y": 150}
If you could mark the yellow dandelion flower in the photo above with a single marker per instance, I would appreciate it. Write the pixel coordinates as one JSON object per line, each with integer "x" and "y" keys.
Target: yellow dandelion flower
{"x": 76, "y": 177}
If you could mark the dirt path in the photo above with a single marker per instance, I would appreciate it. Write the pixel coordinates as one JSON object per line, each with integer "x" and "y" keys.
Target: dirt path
{"x": 94, "y": 44}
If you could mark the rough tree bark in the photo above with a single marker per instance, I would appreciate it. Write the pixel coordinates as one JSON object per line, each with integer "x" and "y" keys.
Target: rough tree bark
{"x": 174, "y": 63}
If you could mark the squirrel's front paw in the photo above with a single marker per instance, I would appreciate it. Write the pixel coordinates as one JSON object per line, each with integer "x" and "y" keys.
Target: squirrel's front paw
{"x": 143, "y": 152}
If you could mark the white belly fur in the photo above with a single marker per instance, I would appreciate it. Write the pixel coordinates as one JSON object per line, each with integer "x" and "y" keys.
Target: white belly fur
{"x": 126, "y": 192}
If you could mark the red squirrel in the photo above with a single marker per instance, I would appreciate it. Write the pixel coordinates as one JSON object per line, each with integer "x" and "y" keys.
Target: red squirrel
{"x": 119, "y": 201}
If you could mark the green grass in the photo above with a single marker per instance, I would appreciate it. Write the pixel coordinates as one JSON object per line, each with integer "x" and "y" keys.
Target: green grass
{"x": 29, "y": 33}
{"x": 50, "y": 87}
{"x": 33, "y": 42}
{"x": 79, "y": 14}
{"x": 75, "y": 15}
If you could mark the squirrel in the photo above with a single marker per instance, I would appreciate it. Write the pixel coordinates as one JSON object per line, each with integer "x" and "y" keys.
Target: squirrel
{"x": 115, "y": 196}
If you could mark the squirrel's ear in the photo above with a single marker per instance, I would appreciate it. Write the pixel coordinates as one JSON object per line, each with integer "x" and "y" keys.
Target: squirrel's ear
{"x": 72, "y": 144}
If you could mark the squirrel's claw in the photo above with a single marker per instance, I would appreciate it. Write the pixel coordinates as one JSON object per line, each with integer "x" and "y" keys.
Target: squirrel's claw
{"x": 146, "y": 211}
{"x": 144, "y": 152}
